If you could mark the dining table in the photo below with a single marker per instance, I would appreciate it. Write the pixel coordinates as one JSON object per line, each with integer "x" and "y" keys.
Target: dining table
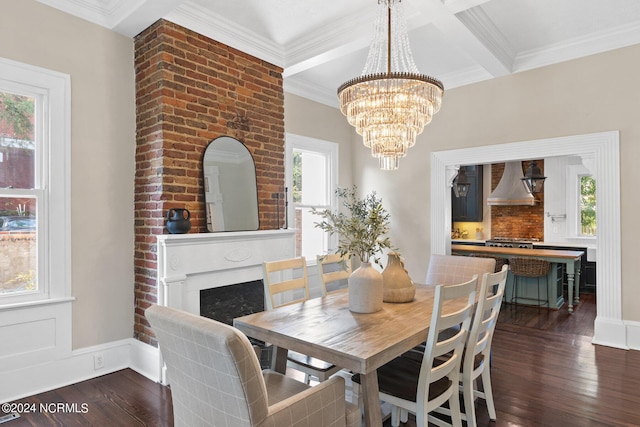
{"x": 326, "y": 329}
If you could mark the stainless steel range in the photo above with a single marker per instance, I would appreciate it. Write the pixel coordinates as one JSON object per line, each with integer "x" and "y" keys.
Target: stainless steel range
{"x": 511, "y": 242}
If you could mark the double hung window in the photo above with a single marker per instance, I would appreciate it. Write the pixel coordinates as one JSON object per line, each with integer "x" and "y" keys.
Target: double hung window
{"x": 311, "y": 180}
{"x": 33, "y": 184}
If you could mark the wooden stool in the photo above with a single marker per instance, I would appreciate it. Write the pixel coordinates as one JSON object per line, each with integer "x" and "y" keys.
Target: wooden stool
{"x": 528, "y": 267}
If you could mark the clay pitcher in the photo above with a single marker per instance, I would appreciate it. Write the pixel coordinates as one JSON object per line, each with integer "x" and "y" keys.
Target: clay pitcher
{"x": 397, "y": 285}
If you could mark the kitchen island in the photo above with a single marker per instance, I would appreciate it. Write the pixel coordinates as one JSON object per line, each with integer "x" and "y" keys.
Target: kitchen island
{"x": 571, "y": 259}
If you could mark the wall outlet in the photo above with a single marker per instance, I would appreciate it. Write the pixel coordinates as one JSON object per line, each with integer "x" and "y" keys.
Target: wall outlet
{"x": 98, "y": 361}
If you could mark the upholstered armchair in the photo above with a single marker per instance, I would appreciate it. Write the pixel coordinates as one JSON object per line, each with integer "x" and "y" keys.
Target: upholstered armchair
{"x": 454, "y": 269}
{"x": 216, "y": 380}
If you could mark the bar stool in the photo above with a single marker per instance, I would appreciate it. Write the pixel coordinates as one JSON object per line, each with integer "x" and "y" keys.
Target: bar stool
{"x": 528, "y": 267}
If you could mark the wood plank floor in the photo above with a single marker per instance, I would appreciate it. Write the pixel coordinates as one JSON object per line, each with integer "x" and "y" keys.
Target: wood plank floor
{"x": 545, "y": 372}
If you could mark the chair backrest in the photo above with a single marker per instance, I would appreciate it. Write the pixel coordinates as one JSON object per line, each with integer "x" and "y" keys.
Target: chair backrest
{"x": 285, "y": 281}
{"x": 443, "y": 352}
{"x": 334, "y": 271}
{"x": 452, "y": 269}
{"x": 485, "y": 318}
{"x": 212, "y": 368}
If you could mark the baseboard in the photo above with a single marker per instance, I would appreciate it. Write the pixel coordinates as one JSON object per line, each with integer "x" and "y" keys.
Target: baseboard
{"x": 610, "y": 332}
{"x": 633, "y": 334}
{"x": 83, "y": 364}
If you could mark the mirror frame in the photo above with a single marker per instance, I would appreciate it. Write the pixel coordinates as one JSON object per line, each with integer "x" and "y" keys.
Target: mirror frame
{"x": 236, "y": 153}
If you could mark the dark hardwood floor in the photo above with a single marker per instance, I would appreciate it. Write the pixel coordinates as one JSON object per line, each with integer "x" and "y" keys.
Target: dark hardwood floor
{"x": 545, "y": 372}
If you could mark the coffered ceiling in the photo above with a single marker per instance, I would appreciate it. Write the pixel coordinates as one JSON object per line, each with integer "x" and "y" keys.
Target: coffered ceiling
{"x": 322, "y": 43}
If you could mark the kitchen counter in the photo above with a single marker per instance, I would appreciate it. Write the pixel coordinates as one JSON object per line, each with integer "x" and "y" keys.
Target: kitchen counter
{"x": 571, "y": 259}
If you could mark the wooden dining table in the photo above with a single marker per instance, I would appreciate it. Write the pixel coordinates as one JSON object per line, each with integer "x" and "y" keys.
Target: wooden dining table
{"x": 325, "y": 328}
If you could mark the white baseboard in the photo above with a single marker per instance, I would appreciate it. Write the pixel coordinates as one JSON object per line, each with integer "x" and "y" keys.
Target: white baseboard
{"x": 610, "y": 332}
{"x": 633, "y": 334}
{"x": 80, "y": 366}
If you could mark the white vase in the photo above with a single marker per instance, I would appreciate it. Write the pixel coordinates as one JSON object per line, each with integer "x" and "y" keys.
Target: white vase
{"x": 365, "y": 289}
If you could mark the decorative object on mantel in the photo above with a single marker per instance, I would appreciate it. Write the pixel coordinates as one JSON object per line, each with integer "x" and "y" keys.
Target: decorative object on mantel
{"x": 178, "y": 221}
{"x": 390, "y": 103}
{"x": 397, "y": 285}
{"x": 363, "y": 232}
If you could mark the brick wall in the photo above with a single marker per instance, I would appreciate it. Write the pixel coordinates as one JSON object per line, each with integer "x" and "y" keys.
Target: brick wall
{"x": 517, "y": 221}
{"x": 189, "y": 91}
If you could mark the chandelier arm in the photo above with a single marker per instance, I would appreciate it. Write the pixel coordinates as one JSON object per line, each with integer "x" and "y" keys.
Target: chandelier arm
{"x": 389, "y": 38}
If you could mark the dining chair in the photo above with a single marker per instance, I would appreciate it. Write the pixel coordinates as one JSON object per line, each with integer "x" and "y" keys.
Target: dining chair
{"x": 286, "y": 282}
{"x": 452, "y": 269}
{"x": 216, "y": 379}
{"x": 334, "y": 271}
{"x": 421, "y": 387}
{"x": 477, "y": 352}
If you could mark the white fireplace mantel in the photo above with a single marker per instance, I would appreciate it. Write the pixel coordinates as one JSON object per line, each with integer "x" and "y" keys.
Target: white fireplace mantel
{"x": 189, "y": 263}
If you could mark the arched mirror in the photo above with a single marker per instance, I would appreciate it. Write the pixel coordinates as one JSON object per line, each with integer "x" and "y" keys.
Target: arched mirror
{"x": 230, "y": 191}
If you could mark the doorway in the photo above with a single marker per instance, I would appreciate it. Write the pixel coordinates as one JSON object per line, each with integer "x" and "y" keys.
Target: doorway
{"x": 604, "y": 149}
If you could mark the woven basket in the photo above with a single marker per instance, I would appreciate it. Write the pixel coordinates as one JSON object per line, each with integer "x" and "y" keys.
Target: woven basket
{"x": 529, "y": 267}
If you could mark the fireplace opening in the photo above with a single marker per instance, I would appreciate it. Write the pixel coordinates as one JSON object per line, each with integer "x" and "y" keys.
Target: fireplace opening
{"x": 225, "y": 303}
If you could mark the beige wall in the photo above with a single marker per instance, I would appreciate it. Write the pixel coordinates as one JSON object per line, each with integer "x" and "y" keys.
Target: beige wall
{"x": 592, "y": 94}
{"x": 100, "y": 63}
{"x": 306, "y": 118}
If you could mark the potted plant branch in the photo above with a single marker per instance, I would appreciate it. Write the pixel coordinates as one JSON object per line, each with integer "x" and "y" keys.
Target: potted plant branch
{"x": 362, "y": 229}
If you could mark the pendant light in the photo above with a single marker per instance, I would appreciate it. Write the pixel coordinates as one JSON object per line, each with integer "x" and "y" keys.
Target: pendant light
{"x": 461, "y": 185}
{"x": 533, "y": 180}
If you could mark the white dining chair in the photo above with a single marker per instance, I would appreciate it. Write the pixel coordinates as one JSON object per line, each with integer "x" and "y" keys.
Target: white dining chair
{"x": 286, "y": 282}
{"x": 421, "y": 387}
{"x": 334, "y": 271}
{"x": 477, "y": 354}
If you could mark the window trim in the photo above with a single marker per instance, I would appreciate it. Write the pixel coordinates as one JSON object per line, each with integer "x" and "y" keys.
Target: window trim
{"x": 53, "y": 90}
{"x": 331, "y": 150}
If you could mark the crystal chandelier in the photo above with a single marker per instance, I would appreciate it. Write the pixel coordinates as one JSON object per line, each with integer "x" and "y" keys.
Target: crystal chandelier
{"x": 390, "y": 102}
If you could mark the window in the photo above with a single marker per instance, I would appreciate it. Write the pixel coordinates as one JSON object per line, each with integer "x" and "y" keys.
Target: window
{"x": 34, "y": 147}
{"x": 312, "y": 178}
{"x": 19, "y": 195}
{"x": 587, "y": 205}
{"x": 581, "y": 203}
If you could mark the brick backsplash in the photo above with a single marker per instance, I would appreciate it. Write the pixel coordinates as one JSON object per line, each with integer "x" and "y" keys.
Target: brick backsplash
{"x": 517, "y": 221}
{"x": 190, "y": 90}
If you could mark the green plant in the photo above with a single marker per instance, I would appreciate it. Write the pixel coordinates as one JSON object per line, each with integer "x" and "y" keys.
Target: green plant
{"x": 362, "y": 230}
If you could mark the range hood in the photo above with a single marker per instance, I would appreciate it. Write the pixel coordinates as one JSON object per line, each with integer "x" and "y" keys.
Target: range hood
{"x": 510, "y": 190}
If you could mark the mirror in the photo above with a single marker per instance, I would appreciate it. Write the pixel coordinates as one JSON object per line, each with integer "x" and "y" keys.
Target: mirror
{"x": 230, "y": 190}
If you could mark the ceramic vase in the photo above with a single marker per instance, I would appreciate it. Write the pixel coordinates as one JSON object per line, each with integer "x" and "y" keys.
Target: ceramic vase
{"x": 397, "y": 285}
{"x": 365, "y": 289}
{"x": 178, "y": 221}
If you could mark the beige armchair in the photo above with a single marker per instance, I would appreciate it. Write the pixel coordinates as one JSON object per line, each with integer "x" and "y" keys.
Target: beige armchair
{"x": 215, "y": 380}
{"x": 454, "y": 269}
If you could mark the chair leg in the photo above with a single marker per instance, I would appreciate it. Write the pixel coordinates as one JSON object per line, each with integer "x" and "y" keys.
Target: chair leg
{"x": 469, "y": 404}
{"x": 404, "y": 415}
{"x": 488, "y": 393}
{"x": 454, "y": 405}
{"x": 395, "y": 416}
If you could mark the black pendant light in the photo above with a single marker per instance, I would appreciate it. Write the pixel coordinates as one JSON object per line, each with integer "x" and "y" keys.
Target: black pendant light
{"x": 461, "y": 184}
{"x": 533, "y": 180}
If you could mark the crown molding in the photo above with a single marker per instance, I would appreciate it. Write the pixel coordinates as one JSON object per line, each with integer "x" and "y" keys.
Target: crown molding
{"x": 614, "y": 38}
{"x": 215, "y": 27}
